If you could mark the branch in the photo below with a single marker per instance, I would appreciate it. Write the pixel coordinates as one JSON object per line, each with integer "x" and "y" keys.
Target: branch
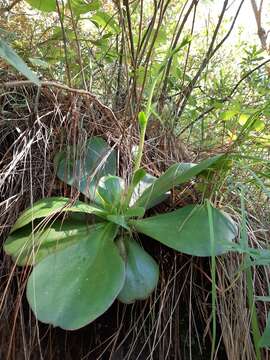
{"x": 258, "y": 17}
{"x": 175, "y": 42}
{"x": 10, "y": 7}
{"x": 210, "y": 53}
{"x": 226, "y": 98}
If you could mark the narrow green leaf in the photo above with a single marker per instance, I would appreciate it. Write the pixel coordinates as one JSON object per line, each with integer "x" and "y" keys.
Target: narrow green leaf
{"x": 187, "y": 230}
{"x": 51, "y": 206}
{"x": 263, "y": 298}
{"x": 73, "y": 287}
{"x": 142, "y": 273}
{"x": 265, "y": 338}
{"x": 9, "y": 55}
{"x": 142, "y": 119}
{"x": 175, "y": 175}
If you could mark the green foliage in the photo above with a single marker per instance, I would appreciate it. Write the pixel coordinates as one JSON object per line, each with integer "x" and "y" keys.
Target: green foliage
{"x": 80, "y": 269}
{"x": 190, "y": 224}
{"x": 176, "y": 174}
{"x": 81, "y": 7}
{"x": 76, "y": 285}
{"x": 142, "y": 272}
{"x": 84, "y": 167}
{"x": 9, "y": 55}
{"x": 43, "y": 5}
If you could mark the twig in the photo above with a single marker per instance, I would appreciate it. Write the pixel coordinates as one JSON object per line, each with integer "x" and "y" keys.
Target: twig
{"x": 210, "y": 53}
{"x": 175, "y": 42}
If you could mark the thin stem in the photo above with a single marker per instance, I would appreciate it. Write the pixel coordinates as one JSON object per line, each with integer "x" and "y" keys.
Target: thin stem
{"x": 65, "y": 43}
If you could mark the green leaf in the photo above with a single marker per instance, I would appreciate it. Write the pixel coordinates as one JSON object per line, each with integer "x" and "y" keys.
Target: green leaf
{"x": 51, "y": 206}
{"x": 134, "y": 212}
{"x": 119, "y": 220}
{"x": 43, "y": 5}
{"x": 243, "y": 118}
{"x": 142, "y": 119}
{"x": 228, "y": 115}
{"x": 262, "y": 298}
{"x": 73, "y": 287}
{"x": 175, "y": 175}
{"x": 138, "y": 176}
{"x": 84, "y": 167}
{"x": 9, "y": 55}
{"x": 81, "y": 7}
{"x": 265, "y": 338}
{"x": 28, "y": 247}
{"x": 142, "y": 273}
{"x": 110, "y": 189}
{"x": 104, "y": 20}
{"x": 139, "y": 189}
{"x": 187, "y": 230}
{"x": 258, "y": 125}
{"x": 39, "y": 63}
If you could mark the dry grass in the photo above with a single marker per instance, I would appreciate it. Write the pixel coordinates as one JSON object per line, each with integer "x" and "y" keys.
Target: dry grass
{"x": 175, "y": 322}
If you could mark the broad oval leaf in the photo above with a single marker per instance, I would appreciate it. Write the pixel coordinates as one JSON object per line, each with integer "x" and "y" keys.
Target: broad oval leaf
{"x": 187, "y": 230}
{"x": 9, "y": 55}
{"x": 83, "y": 168}
{"x": 43, "y": 5}
{"x": 73, "y": 287}
{"x": 28, "y": 247}
{"x": 175, "y": 175}
{"x": 51, "y": 206}
{"x": 142, "y": 273}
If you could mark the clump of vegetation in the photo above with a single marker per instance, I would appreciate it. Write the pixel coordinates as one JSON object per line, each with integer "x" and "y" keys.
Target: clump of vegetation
{"x": 80, "y": 269}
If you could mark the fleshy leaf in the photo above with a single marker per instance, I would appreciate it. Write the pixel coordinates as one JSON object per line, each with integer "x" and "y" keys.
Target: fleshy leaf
{"x": 119, "y": 220}
{"x": 110, "y": 189}
{"x": 175, "y": 175}
{"x": 29, "y": 247}
{"x": 73, "y": 287}
{"x": 143, "y": 184}
{"x": 142, "y": 273}
{"x": 83, "y": 168}
{"x": 51, "y": 206}
{"x": 187, "y": 230}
